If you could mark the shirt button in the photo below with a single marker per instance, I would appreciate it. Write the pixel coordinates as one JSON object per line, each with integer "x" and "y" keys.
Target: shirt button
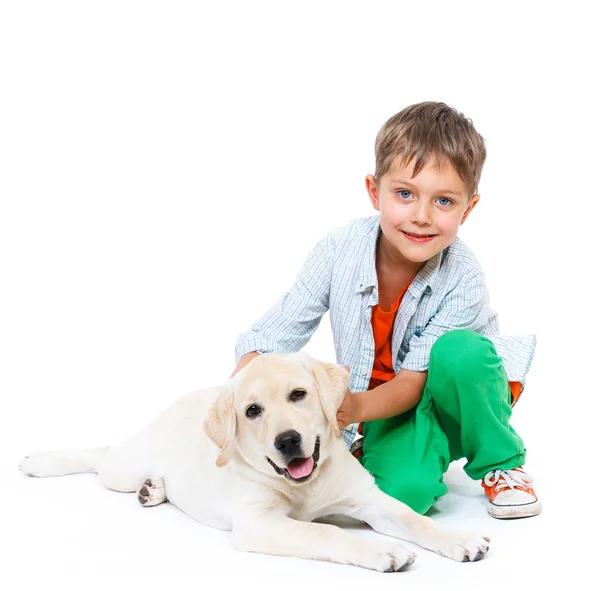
{"x": 364, "y": 371}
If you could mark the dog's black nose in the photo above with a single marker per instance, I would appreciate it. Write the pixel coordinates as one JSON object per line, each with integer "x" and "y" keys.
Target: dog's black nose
{"x": 289, "y": 443}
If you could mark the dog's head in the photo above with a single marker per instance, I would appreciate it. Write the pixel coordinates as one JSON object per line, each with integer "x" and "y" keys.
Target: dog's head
{"x": 279, "y": 414}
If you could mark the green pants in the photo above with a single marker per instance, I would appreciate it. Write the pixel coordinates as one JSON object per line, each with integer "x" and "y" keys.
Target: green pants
{"x": 464, "y": 413}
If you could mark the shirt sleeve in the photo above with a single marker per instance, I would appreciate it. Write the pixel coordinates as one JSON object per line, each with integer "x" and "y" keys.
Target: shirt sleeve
{"x": 290, "y": 323}
{"x": 465, "y": 307}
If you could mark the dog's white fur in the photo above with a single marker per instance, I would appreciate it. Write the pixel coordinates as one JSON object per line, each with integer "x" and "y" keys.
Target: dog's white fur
{"x": 209, "y": 459}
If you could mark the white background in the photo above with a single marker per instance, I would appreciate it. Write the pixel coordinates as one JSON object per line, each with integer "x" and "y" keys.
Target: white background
{"x": 165, "y": 168}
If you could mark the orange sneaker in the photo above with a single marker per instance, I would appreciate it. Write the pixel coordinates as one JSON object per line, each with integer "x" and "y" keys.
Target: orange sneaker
{"x": 511, "y": 494}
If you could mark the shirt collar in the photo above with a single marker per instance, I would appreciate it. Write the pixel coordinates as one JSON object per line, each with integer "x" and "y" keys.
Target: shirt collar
{"x": 367, "y": 277}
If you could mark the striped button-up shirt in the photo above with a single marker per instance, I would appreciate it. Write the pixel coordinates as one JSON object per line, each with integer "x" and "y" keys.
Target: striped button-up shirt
{"x": 339, "y": 275}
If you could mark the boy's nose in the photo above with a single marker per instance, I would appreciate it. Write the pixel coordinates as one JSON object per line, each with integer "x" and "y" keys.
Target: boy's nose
{"x": 421, "y": 213}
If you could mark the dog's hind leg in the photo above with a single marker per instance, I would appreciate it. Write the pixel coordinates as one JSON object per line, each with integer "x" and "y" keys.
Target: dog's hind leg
{"x": 125, "y": 468}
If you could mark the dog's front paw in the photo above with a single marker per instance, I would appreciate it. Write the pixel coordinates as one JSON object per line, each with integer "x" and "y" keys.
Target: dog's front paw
{"x": 152, "y": 492}
{"x": 386, "y": 558}
{"x": 464, "y": 547}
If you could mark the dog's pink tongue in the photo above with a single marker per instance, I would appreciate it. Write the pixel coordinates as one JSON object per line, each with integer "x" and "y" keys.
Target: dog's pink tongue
{"x": 300, "y": 467}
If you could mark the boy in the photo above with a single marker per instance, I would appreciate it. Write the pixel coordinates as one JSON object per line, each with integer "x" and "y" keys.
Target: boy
{"x": 431, "y": 380}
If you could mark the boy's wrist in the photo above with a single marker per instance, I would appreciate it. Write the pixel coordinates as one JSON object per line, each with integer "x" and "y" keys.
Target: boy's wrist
{"x": 360, "y": 406}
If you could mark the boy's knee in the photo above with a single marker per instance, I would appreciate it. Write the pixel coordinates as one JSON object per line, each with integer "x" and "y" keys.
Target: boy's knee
{"x": 418, "y": 494}
{"x": 460, "y": 351}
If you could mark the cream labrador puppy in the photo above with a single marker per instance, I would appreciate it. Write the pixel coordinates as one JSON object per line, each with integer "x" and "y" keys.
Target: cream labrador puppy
{"x": 268, "y": 461}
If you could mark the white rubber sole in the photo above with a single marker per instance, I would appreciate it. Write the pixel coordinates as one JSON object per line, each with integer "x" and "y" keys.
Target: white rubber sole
{"x": 515, "y": 511}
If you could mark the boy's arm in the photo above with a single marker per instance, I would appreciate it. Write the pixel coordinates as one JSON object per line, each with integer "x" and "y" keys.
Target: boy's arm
{"x": 395, "y": 397}
{"x": 290, "y": 323}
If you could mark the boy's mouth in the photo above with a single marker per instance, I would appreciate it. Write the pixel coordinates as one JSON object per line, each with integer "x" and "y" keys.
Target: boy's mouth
{"x": 413, "y": 237}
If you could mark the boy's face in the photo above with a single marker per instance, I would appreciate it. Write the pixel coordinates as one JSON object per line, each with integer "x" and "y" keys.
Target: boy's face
{"x": 419, "y": 216}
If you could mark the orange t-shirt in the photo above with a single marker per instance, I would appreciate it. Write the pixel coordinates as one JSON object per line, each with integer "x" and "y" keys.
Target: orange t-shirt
{"x": 383, "y": 325}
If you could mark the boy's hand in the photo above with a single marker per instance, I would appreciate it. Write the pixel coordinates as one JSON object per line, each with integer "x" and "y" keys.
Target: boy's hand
{"x": 349, "y": 410}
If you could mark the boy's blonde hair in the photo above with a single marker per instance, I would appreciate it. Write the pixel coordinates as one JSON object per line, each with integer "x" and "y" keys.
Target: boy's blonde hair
{"x": 427, "y": 130}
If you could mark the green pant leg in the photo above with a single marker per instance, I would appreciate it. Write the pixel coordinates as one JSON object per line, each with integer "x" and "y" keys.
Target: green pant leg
{"x": 408, "y": 455}
{"x": 471, "y": 396}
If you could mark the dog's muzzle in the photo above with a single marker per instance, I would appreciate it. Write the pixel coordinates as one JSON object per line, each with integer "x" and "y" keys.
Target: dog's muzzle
{"x": 298, "y": 469}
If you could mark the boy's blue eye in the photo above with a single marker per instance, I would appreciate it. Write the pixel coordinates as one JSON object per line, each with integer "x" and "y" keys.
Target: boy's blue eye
{"x": 404, "y": 194}
{"x": 444, "y": 201}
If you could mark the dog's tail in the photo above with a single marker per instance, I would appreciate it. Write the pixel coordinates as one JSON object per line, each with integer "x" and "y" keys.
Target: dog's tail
{"x": 61, "y": 463}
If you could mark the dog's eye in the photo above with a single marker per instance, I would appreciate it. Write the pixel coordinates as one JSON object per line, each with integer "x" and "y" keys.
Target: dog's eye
{"x": 297, "y": 395}
{"x": 253, "y": 411}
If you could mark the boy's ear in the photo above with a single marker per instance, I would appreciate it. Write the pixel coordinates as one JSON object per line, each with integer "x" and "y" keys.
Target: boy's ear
{"x": 220, "y": 422}
{"x": 474, "y": 201}
{"x": 372, "y": 190}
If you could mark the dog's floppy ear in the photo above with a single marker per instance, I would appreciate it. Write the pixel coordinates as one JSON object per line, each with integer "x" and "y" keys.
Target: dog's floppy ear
{"x": 220, "y": 422}
{"x": 332, "y": 382}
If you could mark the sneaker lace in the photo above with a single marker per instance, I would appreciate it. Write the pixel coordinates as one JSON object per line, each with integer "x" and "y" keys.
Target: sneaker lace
{"x": 508, "y": 479}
